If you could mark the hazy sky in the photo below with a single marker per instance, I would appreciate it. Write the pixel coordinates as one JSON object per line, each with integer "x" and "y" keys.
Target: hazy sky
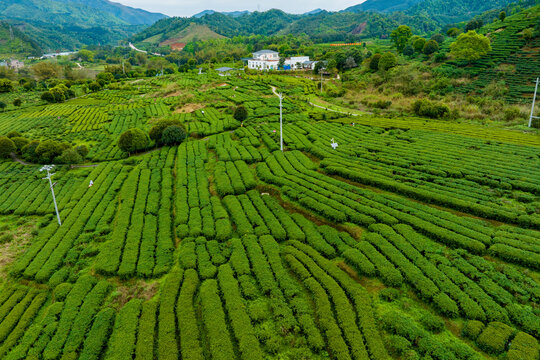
{"x": 191, "y": 7}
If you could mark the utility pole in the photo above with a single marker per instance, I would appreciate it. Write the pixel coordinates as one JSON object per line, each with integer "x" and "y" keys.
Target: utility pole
{"x": 534, "y": 100}
{"x": 321, "y": 72}
{"x": 281, "y": 121}
{"x": 48, "y": 168}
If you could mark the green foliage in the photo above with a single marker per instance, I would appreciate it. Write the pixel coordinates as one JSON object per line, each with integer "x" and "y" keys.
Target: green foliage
{"x": 57, "y": 94}
{"x": 69, "y": 156}
{"x": 122, "y": 342}
{"x": 20, "y": 142}
{"x": 240, "y": 113}
{"x": 418, "y": 44}
{"x": 430, "y": 47}
{"x": 85, "y": 55}
{"x": 495, "y": 337}
{"x": 401, "y": 36}
{"x": 374, "y": 62}
{"x": 82, "y": 150}
{"x": 439, "y": 38}
{"x": 398, "y": 345}
{"x": 7, "y": 146}
{"x": 409, "y": 50}
{"x": 6, "y": 86}
{"x": 474, "y": 24}
{"x": 432, "y": 323}
{"x": 453, "y": 32}
{"x": 425, "y": 107}
{"x": 48, "y": 150}
{"x": 156, "y": 132}
{"x": 133, "y": 140}
{"x": 173, "y": 135}
{"x": 13, "y": 134}
{"x": 502, "y": 15}
{"x": 470, "y": 46}
{"x": 387, "y": 61}
{"x": 523, "y": 347}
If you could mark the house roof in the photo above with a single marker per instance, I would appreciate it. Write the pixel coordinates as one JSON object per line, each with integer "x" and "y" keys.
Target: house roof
{"x": 260, "y": 52}
{"x": 224, "y": 69}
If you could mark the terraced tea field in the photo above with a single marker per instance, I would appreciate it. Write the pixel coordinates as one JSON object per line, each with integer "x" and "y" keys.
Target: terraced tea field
{"x": 413, "y": 239}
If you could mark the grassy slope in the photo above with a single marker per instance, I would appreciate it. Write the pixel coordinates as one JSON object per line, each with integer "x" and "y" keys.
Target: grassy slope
{"x": 191, "y": 33}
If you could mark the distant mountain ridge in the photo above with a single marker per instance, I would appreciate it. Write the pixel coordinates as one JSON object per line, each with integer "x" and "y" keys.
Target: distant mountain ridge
{"x": 321, "y": 25}
{"x": 228, "y": 13}
{"x": 442, "y": 11}
{"x": 70, "y": 24}
{"x": 383, "y": 6}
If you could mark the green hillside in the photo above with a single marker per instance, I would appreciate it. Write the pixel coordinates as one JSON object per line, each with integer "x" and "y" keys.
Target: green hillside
{"x": 514, "y": 61}
{"x": 193, "y": 32}
{"x": 413, "y": 239}
{"x": 441, "y": 11}
{"x": 14, "y": 43}
{"x": 384, "y": 6}
{"x": 321, "y": 27}
{"x": 70, "y": 24}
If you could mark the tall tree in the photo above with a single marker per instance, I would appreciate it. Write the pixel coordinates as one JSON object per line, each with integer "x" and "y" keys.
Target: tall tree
{"x": 470, "y": 46}
{"x": 401, "y": 36}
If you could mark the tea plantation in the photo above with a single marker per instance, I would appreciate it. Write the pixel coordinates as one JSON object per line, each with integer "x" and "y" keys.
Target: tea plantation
{"x": 413, "y": 239}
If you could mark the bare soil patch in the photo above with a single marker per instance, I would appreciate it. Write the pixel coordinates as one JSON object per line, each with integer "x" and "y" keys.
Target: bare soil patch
{"x": 188, "y": 108}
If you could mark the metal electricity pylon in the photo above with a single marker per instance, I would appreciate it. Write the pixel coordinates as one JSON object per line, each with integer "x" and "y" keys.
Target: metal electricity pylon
{"x": 280, "y": 121}
{"x": 533, "y": 103}
{"x": 49, "y": 176}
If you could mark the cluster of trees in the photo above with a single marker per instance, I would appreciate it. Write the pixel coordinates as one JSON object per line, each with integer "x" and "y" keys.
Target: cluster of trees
{"x": 407, "y": 44}
{"x": 57, "y": 94}
{"x": 468, "y": 46}
{"x": 44, "y": 152}
{"x": 382, "y": 62}
{"x": 163, "y": 133}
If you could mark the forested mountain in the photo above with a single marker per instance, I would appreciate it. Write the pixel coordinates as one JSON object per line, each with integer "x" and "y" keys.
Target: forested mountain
{"x": 446, "y": 12}
{"x": 384, "y": 6}
{"x": 373, "y": 18}
{"x": 68, "y": 24}
{"x": 321, "y": 26}
{"x": 14, "y": 43}
{"x": 442, "y": 11}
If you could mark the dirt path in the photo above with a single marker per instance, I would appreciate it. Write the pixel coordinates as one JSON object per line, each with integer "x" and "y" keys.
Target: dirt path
{"x": 322, "y": 107}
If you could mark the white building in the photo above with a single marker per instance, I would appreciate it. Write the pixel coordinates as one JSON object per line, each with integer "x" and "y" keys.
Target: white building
{"x": 296, "y": 62}
{"x": 264, "y": 60}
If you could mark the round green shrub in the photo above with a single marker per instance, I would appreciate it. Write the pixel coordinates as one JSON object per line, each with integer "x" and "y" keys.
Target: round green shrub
{"x": 133, "y": 140}
{"x": 495, "y": 337}
{"x": 173, "y": 135}
{"x": 20, "y": 142}
{"x": 389, "y": 294}
{"x": 7, "y": 146}
{"x": 70, "y": 156}
{"x": 472, "y": 329}
{"x": 398, "y": 345}
{"x": 61, "y": 291}
{"x": 432, "y": 323}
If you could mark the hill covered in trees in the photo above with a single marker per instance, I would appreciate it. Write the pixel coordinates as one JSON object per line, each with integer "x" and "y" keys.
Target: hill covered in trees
{"x": 69, "y": 24}
{"x": 14, "y": 43}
